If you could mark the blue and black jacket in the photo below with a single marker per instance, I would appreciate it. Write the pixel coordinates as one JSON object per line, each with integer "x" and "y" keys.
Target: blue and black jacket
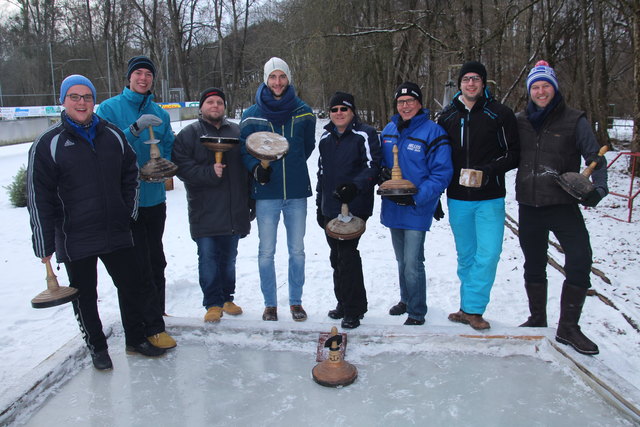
{"x": 424, "y": 156}
{"x": 485, "y": 137}
{"x": 290, "y": 175}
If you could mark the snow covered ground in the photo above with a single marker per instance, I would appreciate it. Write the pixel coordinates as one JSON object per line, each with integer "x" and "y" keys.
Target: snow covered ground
{"x": 29, "y": 336}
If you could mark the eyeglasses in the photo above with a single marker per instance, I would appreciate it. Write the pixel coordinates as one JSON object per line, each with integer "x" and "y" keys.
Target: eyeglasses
{"x": 474, "y": 79}
{"x": 75, "y": 97}
{"x": 341, "y": 109}
{"x": 407, "y": 102}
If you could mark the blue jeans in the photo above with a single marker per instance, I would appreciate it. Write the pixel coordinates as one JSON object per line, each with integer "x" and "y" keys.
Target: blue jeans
{"x": 478, "y": 229}
{"x": 268, "y": 212}
{"x": 217, "y": 268}
{"x": 408, "y": 246}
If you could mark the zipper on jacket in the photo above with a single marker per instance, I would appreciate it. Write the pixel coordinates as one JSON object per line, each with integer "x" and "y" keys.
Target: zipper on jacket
{"x": 284, "y": 169}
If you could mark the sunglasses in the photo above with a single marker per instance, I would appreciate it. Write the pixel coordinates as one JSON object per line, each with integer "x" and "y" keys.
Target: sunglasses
{"x": 341, "y": 109}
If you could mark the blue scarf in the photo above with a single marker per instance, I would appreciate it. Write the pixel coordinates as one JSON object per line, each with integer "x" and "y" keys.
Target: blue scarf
{"x": 537, "y": 116}
{"x": 87, "y": 131}
{"x": 277, "y": 111}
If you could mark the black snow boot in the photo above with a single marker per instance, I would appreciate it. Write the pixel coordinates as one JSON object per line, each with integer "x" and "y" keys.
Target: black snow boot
{"x": 537, "y": 294}
{"x": 569, "y": 332}
{"x": 336, "y": 313}
{"x": 101, "y": 360}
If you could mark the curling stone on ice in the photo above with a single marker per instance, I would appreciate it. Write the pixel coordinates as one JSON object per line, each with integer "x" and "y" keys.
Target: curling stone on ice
{"x": 267, "y": 147}
{"x": 334, "y": 371}
{"x": 157, "y": 169}
{"x": 345, "y": 226}
{"x": 396, "y": 186}
{"x": 54, "y": 294}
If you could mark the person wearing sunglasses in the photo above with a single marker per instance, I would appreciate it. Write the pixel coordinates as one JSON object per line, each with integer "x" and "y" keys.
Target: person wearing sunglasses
{"x": 348, "y": 168}
{"x": 82, "y": 184}
{"x": 134, "y": 112}
{"x": 484, "y": 139}
{"x": 424, "y": 156}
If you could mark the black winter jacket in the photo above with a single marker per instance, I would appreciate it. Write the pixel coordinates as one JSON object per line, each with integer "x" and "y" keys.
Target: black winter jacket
{"x": 217, "y": 206}
{"x": 565, "y": 136}
{"x": 485, "y": 137}
{"x": 353, "y": 157}
{"x": 81, "y": 196}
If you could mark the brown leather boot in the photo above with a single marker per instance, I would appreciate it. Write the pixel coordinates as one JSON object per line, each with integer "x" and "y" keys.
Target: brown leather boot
{"x": 298, "y": 314}
{"x": 474, "y": 320}
{"x": 569, "y": 332}
{"x": 270, "y": 314}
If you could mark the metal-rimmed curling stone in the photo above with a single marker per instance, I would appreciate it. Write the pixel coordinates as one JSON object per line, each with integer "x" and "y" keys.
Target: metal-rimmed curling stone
{"x": 267, "y": 147}
{"x": 396, "y": 186}
{"x": 219, "y": 144}
{"x": 54, "y": 294}
{"x": 334, "y": 371}
{"x": 345, "y": 226}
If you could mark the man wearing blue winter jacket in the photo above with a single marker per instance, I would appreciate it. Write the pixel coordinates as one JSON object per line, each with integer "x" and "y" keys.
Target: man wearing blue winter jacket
{"x": 133, "y": 111}
{"x": 424, "y": 156}
{"x": 284, "y": 186}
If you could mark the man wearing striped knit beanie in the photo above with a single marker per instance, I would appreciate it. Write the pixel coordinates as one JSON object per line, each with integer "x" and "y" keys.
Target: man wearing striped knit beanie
{"x": 553, "y": 137}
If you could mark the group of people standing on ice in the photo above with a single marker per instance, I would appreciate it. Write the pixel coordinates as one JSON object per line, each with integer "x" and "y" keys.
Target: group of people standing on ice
{"x": 86, "y": 201}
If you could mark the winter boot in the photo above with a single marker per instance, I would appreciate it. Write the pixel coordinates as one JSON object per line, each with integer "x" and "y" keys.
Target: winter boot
{"x": 537, "y": 293}
{"x": 213, "y": 314}
{"x": 162, "y": 340}
{"x": 270, "y": 314}
{"x": 398, "y": 309}
{"x": 297, "y": 313}
{"x": 569, "y": 332}
{"x": 232, "y": 308}
{"x": 336, "y": 313}
{"x": 101, "y": 360}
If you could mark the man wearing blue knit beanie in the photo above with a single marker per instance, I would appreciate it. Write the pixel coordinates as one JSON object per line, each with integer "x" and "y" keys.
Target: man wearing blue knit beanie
{"x": 135, "y": 112}
{"x": 553, "y": 137}
{"x": 82, "y": 195}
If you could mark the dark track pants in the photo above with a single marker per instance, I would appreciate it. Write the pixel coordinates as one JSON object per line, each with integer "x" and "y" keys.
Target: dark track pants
{"x": 136, "y": 310}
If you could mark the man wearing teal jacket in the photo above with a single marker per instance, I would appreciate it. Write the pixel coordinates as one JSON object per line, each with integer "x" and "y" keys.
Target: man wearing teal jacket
{"x": 134, "y": 111}
{"x": 283, "y": 186}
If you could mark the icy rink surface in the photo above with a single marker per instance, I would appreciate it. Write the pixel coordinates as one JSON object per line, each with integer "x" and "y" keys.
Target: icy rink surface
{"x": 216, "y": 383}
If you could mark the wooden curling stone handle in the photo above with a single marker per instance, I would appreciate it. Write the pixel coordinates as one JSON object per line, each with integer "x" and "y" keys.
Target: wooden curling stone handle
{"x": 589, "y": 170}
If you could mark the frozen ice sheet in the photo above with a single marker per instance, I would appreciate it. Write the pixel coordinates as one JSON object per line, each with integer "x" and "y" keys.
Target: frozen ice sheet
{"x": 212, "y": 383}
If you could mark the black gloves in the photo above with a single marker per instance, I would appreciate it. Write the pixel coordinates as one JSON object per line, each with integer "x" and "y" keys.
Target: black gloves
{"x": 439, "y": 213}
{"x": 261, "y": 174}
{"x": 385, "y": 175}
{"x": 345, "y": 193}
{"x": 592, "y": 198}
{"x": 320, "y": 217}
{"x": 404, "y": 200}
{"x": 602, "y": 161}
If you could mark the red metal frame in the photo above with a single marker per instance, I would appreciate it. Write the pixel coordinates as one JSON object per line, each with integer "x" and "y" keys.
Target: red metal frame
{"x": 630, "y": 196}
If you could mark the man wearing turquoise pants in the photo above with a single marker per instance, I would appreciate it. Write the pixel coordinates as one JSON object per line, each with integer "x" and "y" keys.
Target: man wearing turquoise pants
{"x": 485, "y": 145}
